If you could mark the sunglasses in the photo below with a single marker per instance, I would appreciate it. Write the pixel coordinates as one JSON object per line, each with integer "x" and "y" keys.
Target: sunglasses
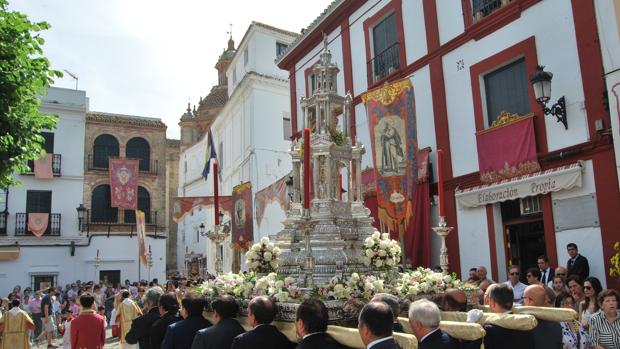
{"x": 529, "y": 275}
{"x": 560, "y": 274}
{"x": 587, "y": 287}
{"x": 517, "y": 273}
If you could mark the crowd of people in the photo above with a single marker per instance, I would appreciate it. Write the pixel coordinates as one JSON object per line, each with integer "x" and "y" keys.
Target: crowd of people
{"x": 171, "y": 316}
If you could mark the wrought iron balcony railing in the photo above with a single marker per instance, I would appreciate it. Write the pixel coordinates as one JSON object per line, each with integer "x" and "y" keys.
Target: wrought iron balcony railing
{"x": 21, "y": 225}
{"x": 483, "y": 8}
{"x": 3, "y": 223}
{"x": 56, "y": 165}
{"x": 384, "y": 63}
{"x": 121, "y": 217}
{"x": 101, "y": 163}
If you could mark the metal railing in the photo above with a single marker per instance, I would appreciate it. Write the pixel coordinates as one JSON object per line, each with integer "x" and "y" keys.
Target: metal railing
{"x": 56, "y": 165}
{"x": 21, "y": 225}
{"x": 384, "y": 63}
{"x": 124, "y": 217}
{"x": 145, "y": 166}
{"x": 483, "y": 8}
{"x": 3, "y": 223}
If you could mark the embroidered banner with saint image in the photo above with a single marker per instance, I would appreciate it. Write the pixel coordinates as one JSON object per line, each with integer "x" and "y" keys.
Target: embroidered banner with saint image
{"x": 391, "y": 119}
{"x": 124, "y": 183}
{"x": 242, "y": 222}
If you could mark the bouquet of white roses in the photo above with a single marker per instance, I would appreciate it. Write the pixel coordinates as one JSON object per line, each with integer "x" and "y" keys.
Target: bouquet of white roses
{"x": 381, "y": 252}
{"x": 263, "y": 256}
{"x": 365, "y": 286}
{"x": 425, "y": 281}
{"x": 236, "y": 285}
{"x": 282, "y": 289}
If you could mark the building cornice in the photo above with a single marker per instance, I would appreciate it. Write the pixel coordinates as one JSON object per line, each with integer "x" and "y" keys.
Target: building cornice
{"x": 127, "y": 120}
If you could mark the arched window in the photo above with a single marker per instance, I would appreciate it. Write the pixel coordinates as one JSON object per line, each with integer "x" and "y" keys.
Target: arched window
{"x": 101, "y": 207}
{"x": 105, "y": 146}
{"x": 144, "y": 205}
{"x": 138, "y": 148}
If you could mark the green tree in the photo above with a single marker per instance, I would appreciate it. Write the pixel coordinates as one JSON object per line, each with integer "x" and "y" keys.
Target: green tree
{"x": 25, "y": 74}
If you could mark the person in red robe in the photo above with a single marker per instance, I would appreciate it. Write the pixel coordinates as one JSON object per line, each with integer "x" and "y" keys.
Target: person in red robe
{"x": 88, "y": 329}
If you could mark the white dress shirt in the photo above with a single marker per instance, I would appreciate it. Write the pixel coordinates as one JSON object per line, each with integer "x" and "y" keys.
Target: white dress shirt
{"x": 518, "y": 290}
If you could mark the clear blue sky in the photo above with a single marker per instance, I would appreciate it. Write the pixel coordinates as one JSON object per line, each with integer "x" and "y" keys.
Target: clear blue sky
{"x": 150, "y": 58}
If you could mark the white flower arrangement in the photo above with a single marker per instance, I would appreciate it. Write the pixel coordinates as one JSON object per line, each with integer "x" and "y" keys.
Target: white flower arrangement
{"x": 381, "y": 252}
{"x": 263, "y": 256}
{"x": 424, "y": 281}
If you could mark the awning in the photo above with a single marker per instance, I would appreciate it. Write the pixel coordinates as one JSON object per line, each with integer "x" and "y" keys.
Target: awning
{"x": 539, "y": 183}
{"x": 9, "y": 253}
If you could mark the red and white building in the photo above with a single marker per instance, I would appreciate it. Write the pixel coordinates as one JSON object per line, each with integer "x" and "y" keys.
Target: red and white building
{"x": 468, "y": 60}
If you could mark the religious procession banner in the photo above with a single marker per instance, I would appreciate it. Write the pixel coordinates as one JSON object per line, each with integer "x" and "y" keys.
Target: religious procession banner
{"x": 185, "y": 205}
{"x": 242, "y": 222}
{"x": 507, "y": 149}
{"x": 391, "y": 118}
{"x": 37, "y": 223}
{"x": 141, "y": 232}
{"x": 124, "y": 183}
{"x": 276, "y": 192}
{"x": 418, "y": 239}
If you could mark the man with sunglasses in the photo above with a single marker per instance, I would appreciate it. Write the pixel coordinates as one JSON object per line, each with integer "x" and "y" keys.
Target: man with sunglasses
{"x": 517, "y": 286}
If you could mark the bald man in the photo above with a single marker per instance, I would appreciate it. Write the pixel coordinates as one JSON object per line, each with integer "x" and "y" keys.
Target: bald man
{"x": 486, "y": 287}
{"x": 482, "y": 274}
{"x": 548, "y": 334}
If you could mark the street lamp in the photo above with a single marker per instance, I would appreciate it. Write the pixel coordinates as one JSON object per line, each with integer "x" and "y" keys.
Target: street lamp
{"x": 541, "y": 83}
{"x": 81, "y": 210}
{"x": 217, "y": 236}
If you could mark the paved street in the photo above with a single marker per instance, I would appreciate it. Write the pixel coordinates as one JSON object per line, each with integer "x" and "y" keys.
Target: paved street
{"x": 111, "y": 343}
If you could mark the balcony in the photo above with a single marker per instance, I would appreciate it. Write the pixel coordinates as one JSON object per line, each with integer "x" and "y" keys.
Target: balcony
{"x": 483, "y": 8}
{"x": 384, "y": 63}
{"x": 146, "y": 166}
{"x": 119, "y": 221}
{"x": 56, "y": 165}
{"x": 3, "y": 223}
{"x": 21, "y": 225}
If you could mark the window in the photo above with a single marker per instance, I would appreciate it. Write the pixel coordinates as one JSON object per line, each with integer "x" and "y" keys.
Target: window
{"x": 48, "y": 144}
{"x": 38, "y": 201}
{"x": 144, "y": 205}
{"x": 507, "y": 89}
{"x": 138, "y": 148}
{"x": 385, "y": 48}
{"x": 105, "y": 146}
{"x": 286, "y": 126}
{"x": 246, "y": 57}
{"x": 280, "y": 48}
{"x": 482, "y": 8}
{"x": 101, "y": 206}
{"x": 311, "y": 83}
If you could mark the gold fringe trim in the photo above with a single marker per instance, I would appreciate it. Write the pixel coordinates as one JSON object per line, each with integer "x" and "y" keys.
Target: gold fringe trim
{"x": 387, "y": 93}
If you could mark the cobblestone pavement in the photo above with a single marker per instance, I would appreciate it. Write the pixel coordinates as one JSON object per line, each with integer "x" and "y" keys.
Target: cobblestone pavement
{"x": 111, "y": 343}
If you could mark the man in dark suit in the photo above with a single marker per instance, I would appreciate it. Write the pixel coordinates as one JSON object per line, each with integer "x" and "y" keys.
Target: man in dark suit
{"x": 141, "y": 327}
{"x": 393, "y": 302}
{"x": 180, "y": 335}
{"x": 424, "y": 317}
{"x": 261, "y": 312}
{"x": 226, "y": 328}
{"x": 168, "y": 309}
{"x": 497, "y": 337}
{"x": 577, "y": 264}
{"x": 311, "y": 324}
{"x": 546, "y": 272}
{"x": 547, "y": 334}
{"x": 375, "y": 326}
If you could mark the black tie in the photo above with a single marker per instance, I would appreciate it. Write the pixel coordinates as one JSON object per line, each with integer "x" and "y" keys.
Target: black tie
{"x": 570, "y": 263}
{"x": 543, "y": 278}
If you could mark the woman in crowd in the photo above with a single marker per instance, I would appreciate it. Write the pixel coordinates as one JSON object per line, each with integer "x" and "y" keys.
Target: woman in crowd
{"x": 574, "y": 336}
{"x": 604, "y": 329}
{"x": 575, "y": 286}
{"x": 591, "y": 288}
{"x": 75, "y": 309}
{"x": 533, "y": 276}
{"x": 559, "y": 285}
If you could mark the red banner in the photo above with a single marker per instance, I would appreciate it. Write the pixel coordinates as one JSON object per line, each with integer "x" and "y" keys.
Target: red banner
{"x": 418, "y": 238}
{"x": 43, "y": 167}
{"x": 242, "y": 222}
{"x": 185, "y": 205}
{"x": 37, "y": 223}
{"x": 124, "y": 183}
{"x": 276, "y": 192}
{"x": 391, "y": 118}
{"x": 141, "y": 233}
{"x": 507, "y": 149}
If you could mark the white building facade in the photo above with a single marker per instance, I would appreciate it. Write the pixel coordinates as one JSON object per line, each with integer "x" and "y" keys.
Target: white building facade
{"x": 64, "y": 253}
{"x": 460, "y": 55}
{"x": 251, "y": 137}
